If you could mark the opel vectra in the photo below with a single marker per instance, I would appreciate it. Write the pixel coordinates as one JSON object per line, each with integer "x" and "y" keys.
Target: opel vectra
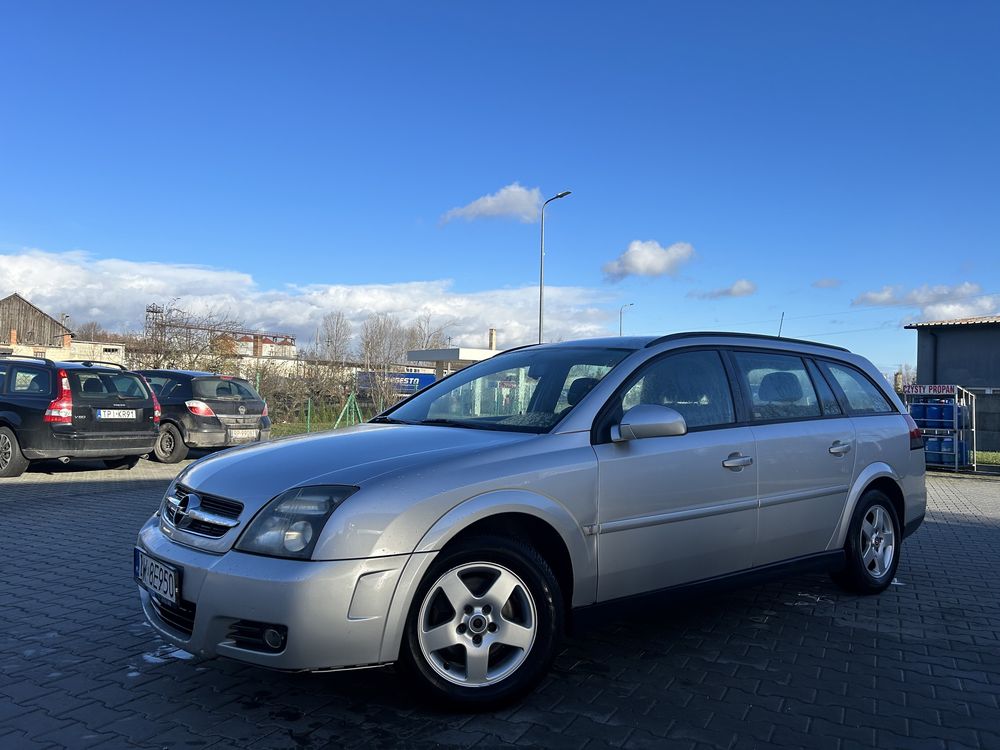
{"x": 458, "y": 531}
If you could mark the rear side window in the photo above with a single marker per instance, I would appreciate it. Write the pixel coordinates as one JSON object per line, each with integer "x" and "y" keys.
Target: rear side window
{"x": 826, "y": 398}
{"x": 692, "y": 383}
{"x": 223, "y": 388}
{"x": 87, "y": 384}
{"x": 29, "y": 380}
{"x": 780, "y": 387}
{"x": 863, "y": 397}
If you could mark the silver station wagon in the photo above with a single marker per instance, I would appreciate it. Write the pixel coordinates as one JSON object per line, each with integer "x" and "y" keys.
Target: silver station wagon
{"x": 458, "y": 532}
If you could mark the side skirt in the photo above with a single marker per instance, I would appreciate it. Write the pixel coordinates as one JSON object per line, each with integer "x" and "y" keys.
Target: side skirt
{"x": 603, "y": 612}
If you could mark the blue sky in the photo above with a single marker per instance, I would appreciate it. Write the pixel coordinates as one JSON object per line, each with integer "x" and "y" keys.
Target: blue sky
{"x": 308, "y": 152}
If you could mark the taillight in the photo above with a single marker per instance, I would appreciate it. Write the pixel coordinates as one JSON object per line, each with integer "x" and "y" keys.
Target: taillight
{"x": 264, "y": 413}
{"x": 60, "y": 409}
{"x": 199, "y": 408}
{"x": 916, "y": 439}
{"x": 156, "y": 409}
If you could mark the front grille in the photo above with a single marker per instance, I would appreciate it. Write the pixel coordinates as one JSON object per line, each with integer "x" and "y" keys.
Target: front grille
{"x": 179, "y": 616}
{"x": 183, "y": 515}
{"x": 249, "y": 634}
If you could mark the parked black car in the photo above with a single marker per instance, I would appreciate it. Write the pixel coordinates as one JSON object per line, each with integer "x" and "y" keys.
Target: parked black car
{"x": 75, "y": 409}
{"x": 205, "y": 410}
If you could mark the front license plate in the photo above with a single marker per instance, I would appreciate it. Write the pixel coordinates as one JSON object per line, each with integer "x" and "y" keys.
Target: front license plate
{"x": 156, "y": 577}
{"x": 243, "y": 436}
{"x": 116, "y": 413}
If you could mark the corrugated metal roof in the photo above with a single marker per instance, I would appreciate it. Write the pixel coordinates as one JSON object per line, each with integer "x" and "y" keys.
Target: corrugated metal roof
{"x": 980, "y": 321}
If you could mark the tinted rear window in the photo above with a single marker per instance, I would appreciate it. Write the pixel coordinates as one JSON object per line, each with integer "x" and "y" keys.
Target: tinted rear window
{"x": 29, "y": 380}
{"x": 89, "y": 384}
{"x": 224, "y": 388}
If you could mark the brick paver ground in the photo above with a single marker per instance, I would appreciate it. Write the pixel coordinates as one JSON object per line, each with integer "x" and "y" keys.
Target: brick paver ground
{"x": 796, "y": 663}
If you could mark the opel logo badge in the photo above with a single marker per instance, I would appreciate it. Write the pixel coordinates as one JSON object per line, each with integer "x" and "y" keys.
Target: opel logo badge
{"x": 243, "y": 409}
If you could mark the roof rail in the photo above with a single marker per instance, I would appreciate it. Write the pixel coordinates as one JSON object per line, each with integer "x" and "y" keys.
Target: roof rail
{"x": 694, "y": 334}
{"x": 26, "y": 356}
{"x": 92, "y": 362}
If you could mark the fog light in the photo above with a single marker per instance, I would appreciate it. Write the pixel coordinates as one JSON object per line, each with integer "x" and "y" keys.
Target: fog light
{"x": 273, "y": 638}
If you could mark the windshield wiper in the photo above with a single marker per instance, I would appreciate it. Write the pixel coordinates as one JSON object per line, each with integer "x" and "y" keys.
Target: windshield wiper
{"x": 449, "y": 423}
{"x": 388, "y": 420}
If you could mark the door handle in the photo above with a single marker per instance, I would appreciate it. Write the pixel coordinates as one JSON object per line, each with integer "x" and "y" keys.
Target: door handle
{"x": 839, "y": 449}
{"x": 736, "y": 462}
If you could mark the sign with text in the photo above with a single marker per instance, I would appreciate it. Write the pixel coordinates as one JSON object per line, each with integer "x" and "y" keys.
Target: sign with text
{"x": 929, "y": 390}
{"x": 403, "y": 382}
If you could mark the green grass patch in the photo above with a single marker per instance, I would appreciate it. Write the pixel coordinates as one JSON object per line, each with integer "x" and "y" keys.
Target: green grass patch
{"x": 988, "y": 457}
{"x": 297, "y": 428}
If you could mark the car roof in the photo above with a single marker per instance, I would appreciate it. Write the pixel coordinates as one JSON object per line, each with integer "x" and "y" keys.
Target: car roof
{"x": 185, "y": 373}
{"x": 643, "y": 342}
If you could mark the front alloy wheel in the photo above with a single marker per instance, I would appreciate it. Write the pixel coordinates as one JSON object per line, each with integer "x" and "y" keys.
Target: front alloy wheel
{"x": 484, "y": 623}
{"x": 477, "y": 624}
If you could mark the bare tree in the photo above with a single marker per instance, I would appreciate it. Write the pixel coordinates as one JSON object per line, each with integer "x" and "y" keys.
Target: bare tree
{"x": 425, "y": 334}
{"x": 174, "y": 337}
{"x": 383, "y": 346}
{"x": 333, "y": 339}
{"x": 93, "y": 331}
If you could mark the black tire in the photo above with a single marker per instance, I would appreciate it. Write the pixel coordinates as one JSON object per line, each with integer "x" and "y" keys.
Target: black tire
{"x": 526, "y": 564}
{"x": 12, "y": 461}
{"x": 169, "y": 448}
{"x": 125, "y": 463}
{"x": 867, "y": 570}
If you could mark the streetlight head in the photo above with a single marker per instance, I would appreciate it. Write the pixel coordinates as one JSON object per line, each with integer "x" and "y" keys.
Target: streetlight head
{"x": 563, "y": 194}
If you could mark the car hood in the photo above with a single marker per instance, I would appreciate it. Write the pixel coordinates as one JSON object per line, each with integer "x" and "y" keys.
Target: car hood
{"x": 256, "y": 473}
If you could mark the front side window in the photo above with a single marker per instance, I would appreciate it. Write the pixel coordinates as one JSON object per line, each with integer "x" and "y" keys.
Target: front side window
{"x": 779, "y": 386}
{"x": 692, "y": 383}
{"x": 862, "y": 395}
{"x": 528, "y": 390}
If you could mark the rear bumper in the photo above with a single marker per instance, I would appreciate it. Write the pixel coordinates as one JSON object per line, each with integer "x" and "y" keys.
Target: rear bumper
{"x": 100, "y": 445}
{"x": 217, "y": 438}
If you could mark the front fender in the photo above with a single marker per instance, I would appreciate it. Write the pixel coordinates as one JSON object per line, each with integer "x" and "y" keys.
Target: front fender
{"x": 868, "y": 475}
{"x": 582, "y": 551}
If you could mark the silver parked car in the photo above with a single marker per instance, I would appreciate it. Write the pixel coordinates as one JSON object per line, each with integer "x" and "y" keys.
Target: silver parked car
{"x": 457, "y": 532}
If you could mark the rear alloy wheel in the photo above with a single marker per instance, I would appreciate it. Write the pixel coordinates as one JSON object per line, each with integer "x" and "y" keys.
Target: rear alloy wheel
{"x": 124, "y": 463}
{"x": 169, "y": 448}
{"x": 485, "y": 622}
{"x": 12, "y": 461}
{"x": 872, "y": 548}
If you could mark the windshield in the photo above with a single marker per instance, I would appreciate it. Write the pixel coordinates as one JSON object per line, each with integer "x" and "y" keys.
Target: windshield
{"x": 528, "y": 390}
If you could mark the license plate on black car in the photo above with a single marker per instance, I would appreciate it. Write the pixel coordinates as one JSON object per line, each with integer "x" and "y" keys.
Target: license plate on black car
{"x": 243, "y": 436}
{"x": 116, "y": 413}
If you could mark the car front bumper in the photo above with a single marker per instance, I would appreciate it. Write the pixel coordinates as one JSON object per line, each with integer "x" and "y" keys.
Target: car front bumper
{"x": 335, "y": 611}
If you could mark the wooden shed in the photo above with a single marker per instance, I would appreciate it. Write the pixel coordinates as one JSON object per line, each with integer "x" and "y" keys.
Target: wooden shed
{"x": 23, "y": 323}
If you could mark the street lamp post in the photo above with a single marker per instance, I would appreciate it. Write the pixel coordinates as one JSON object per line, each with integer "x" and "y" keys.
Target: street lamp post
{"x": 621, "y": 313}
{"x": 541, "y": 267}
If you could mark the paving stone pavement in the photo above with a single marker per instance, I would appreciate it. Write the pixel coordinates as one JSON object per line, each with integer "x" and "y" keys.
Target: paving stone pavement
{"x": 795, "y": 663}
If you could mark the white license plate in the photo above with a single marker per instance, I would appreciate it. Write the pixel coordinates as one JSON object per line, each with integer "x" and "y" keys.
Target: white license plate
{"x": 240, "y": 436}
{"x": 116, "y": 413}
{"x": 158, "y": 578}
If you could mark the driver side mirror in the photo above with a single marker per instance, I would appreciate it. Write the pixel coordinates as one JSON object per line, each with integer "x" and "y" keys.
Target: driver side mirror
{"x": 648, "y": 420}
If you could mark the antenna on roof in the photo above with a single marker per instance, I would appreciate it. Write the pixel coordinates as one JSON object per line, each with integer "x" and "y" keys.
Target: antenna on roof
{"x": 781, "y": 323}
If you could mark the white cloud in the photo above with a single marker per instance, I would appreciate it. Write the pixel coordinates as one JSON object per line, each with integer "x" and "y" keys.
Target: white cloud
{"x": 115, "y": 292}
{"x": 827, "y": 283}
{"x": 511, "y": 201}
{"x": 648, "y": 258}
{"x": 936, "y": 302}
{"x": 739, "y": 288}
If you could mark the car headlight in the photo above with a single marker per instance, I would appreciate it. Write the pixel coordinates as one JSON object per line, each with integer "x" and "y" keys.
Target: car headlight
{"x": 290, "y": 524}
